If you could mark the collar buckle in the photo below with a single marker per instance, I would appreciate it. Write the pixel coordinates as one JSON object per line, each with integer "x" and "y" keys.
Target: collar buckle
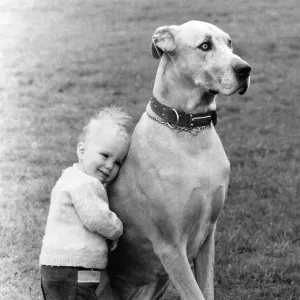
{"x": 194, "y": 119}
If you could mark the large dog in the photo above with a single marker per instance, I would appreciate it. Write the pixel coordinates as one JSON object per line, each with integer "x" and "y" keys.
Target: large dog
{"x": 174, "y": 181}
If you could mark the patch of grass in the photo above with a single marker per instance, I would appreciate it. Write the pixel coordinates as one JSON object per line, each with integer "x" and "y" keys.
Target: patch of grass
{"x": 62, "y": 61}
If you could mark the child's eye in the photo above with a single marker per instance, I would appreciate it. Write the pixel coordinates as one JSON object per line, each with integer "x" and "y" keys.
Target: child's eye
{"x": 118, "y": 163}
{"x": 104, "y": 155}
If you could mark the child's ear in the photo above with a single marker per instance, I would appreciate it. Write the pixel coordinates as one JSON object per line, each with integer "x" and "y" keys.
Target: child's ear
{"x": 80, "y": 150}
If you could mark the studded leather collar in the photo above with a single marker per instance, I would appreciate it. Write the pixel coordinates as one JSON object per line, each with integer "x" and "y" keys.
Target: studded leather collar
{"x": 182, "y": 119}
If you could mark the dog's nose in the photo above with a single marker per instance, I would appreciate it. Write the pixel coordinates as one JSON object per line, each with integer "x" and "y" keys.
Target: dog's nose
{"x": 242, "y": 70}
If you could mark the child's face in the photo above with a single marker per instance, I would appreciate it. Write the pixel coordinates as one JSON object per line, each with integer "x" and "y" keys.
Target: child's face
{"x": 102, "y": 155}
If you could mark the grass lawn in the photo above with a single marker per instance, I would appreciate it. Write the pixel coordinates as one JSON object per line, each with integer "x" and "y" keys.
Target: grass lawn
{"x": 62, "y": 60}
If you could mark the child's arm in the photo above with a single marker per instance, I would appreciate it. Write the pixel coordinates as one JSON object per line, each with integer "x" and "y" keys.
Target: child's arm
{"x": 112, "y": 244}
{"x": 93, "y": 210}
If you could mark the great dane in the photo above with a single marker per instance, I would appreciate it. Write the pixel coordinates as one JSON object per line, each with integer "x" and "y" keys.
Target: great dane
{"x": 174, "y": 182}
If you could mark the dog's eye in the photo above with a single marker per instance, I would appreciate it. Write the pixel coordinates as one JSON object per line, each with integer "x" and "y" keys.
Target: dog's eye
{"x": 204, "y": 46}
{"x": 229, "y": 43}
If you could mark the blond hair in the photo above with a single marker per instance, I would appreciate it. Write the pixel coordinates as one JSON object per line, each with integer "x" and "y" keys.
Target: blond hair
{"x": 107, "y": 119}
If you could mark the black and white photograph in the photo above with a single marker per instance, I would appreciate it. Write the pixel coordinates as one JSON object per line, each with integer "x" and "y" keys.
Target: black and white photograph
{"x": 149, "y": 150}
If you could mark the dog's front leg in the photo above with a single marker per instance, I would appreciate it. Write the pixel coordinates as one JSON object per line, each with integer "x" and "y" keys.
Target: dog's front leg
{"x": 204, "y": 266}
{"x": 178, "y": 268}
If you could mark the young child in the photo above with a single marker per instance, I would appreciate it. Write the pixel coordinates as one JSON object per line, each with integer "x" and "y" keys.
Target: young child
{"x": 74, "y": 252}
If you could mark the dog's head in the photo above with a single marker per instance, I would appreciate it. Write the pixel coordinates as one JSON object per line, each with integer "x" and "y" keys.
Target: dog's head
{"x": 203, "y": 54}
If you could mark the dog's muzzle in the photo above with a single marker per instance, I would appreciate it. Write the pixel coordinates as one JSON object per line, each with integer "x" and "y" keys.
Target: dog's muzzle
{"x": 242, "y": 72}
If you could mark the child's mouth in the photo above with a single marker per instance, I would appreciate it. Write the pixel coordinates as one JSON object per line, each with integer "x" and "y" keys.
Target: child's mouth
{"x": 103, "y": 173}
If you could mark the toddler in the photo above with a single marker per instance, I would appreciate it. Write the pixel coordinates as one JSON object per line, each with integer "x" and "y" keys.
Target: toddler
{"x": 74, "y": 252}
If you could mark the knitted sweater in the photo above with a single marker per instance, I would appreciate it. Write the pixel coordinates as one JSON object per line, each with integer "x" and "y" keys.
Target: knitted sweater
{"x": 79, "y": 222}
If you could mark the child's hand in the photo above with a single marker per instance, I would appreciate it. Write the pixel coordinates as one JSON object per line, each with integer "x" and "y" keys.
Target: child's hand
{"x": 112, "y": 244}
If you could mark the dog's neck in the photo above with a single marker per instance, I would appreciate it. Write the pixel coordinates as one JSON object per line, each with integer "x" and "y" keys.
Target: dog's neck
{"x": 173, "y": 90}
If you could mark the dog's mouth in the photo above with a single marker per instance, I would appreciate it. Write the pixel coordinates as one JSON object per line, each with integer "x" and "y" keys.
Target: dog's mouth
{"x": 242, "y": 90}
{"x": 244, "y": 87}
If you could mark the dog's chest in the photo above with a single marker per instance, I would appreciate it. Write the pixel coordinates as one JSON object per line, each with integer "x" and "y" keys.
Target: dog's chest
{"x": 193, "y": 184}
{"x": 203, "y": 198}
{"x": 194, "y": 164}
{"x": 204, "y": 185}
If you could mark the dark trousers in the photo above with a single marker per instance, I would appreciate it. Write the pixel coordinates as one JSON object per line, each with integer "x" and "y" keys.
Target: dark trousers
{"x": 62, "y": 283}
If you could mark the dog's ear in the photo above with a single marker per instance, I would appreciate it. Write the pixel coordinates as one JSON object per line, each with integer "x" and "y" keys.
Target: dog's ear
{"x": 163, "y": 41}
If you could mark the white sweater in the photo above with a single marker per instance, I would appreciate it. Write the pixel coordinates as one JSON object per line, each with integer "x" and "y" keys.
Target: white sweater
{"x": 78, "y": 223}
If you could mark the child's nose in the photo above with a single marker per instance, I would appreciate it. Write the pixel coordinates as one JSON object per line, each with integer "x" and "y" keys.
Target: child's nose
{"x": 109, "y": 165}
